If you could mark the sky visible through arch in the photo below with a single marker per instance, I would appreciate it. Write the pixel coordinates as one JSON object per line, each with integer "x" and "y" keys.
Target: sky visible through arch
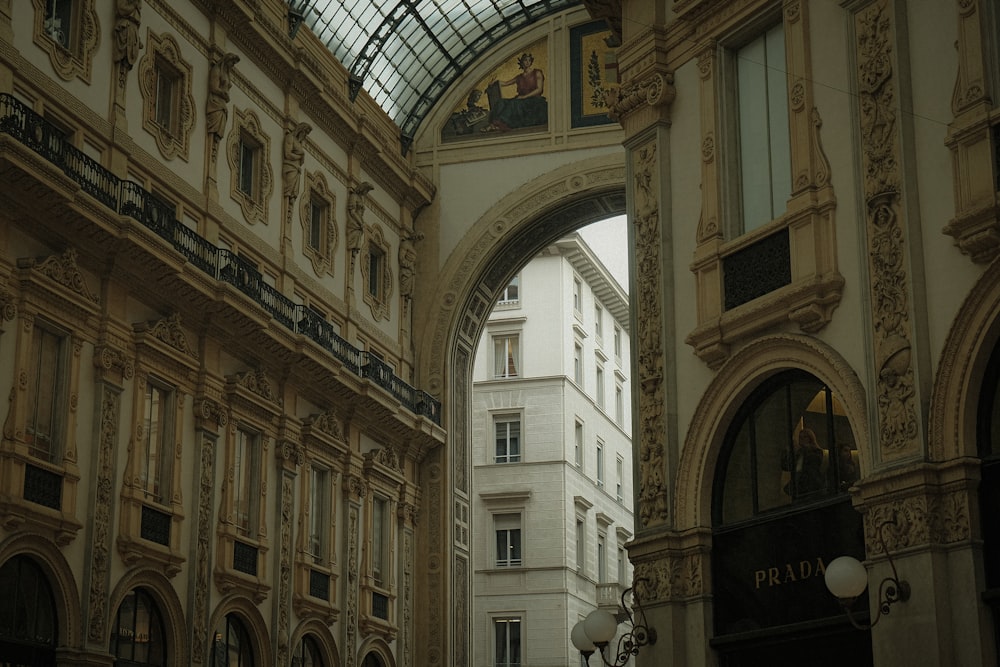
{"x": 609, "y": 241}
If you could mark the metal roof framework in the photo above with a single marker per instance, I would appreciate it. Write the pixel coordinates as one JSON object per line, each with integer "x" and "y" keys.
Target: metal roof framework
{"x": 406, "y": 53}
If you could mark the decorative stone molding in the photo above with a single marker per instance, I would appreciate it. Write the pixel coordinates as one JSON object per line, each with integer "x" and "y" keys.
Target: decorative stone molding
{"x": 8, "y": 306}
{"x": 976, "y": 225}
{"x": 62, "y": 270}
{"x": 100, "y": 557}
{"x": 113, "y": 364}
{"x": 610, "y": 11}
{"x": 673, "y": 564}
{"x": 878, "y": 94}
{"x": 163, "y": 52}
{"x": 248, "y": 128}
{"x": 321, "y": 256}
{"x": 377, "y": 299}
{"x": 734, "y": 382}
{"x": 71, "y": 48}
{"x": 168, "y": 330}
{"x": 255, "y": 382}
{"x": 201, "y": 568}
{"x": 809, "y": 288}
{"x": 655, "y": 90}
{"x": 653, "y": 502}
{"x": 923, "y": 506}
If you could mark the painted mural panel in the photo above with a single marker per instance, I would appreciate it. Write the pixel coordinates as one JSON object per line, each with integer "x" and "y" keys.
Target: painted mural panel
{"x": 511, "y": 98}
{"x": 593, "y": 72}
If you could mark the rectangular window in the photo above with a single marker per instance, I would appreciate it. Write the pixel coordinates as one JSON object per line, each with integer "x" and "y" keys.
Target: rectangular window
{"x": 376, "y": 262}
{"x": 619, "y": 404}
{"x": 249, "y": 154}
{"x": 621, "y": 566}
{"x": 380, "y": 540}
{"x": 317, "y": 217}
{"x": 59, "y": 22}
{"x": 155, "y": 462}
{"x": 246, "y": 482}
{"x": 508, "y": 532}
{"x": 765, "y": 153}
{"x": 578, "y": 364}
{"x": 506, "y": 356}
{"x": 165, "y": 104}
{"x": 507, "y": 642}
{"x": 47, "y": 381}
{"x": 598, "y": 321}
{"x": 580, "y": 544}
{"x": 508, "y": 438}
{"x": 620, "y": 478}
{"x": 577, "y": 296}
{"x": 618, "y": 343}
{"x": 511, "y": 293}
{"x": 600, "y": 462}
{"x": 578, "y": 445}
{"x": 602, "y": 559}
{"x": 600, "y": 386}
{"x": 319, "y": 513}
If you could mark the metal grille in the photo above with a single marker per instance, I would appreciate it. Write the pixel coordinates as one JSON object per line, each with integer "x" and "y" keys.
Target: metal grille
{"x": 757, "y": 269}
{"x": 245, "y": 558}
{"x": 319, "y": 585}
{"x": 42, "y": 487}
{"x": 155, "y": 526}
{"x": 380, "y": 606}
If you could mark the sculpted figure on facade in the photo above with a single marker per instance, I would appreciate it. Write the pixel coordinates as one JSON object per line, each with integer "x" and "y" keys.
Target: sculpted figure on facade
{"x": 293, "y": 153}
{"x": 126, "y": 43}
{"x": 217, "y": 107}
{"x": 408, "y": 263}
{"x": 356, "y": 202}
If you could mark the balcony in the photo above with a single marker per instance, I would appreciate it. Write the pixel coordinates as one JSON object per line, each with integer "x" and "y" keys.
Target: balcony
{"x": 609, "y": 596}
{"x": 129, "y": 199}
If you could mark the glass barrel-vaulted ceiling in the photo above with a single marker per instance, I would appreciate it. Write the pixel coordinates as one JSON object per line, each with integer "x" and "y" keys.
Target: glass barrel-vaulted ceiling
{"x": 406, "y": 53}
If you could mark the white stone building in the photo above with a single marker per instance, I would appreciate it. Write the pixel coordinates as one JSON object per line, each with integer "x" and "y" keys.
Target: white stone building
{"x": 552, "y": 457}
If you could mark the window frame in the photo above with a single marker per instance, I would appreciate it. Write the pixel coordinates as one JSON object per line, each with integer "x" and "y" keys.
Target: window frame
{"x": 375, "y": 273}
{"x": 162, "y": 57}
{"x": 156, "y": 616}
{"x": 75, "y": 57}
{"x": 599, "y": 446}
{"x": 507, "y": 621}
{"x": 510, "y": 296}
{"x": 777, "y": 126}
{"x": 804, "y": 288}
{"x": 56, "y": 446}
{"x": 509, "y": 524}
{"x": 508, "y": 418}
{"x": 509, "y": 353}
{"x": 249, "y": 137}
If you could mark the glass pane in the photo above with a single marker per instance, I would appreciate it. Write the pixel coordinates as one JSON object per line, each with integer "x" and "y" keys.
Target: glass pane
{"x": 737, "y": 501}
{"x": 772, "y": 434}
{"x": 751, "y": 82}
{"x": 779, "y": 143}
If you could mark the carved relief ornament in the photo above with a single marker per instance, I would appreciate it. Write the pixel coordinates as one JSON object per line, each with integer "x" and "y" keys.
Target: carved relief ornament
{"x": 898, "y": 426}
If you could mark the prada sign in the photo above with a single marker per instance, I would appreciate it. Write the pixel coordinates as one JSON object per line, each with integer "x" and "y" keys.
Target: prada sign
{"x": 770, "y": 573}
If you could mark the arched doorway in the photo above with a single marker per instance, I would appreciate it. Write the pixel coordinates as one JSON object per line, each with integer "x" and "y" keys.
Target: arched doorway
{"x": 780, "y": 512}
{"x": 28, "y": 621}
{"x": 477, "y": 272}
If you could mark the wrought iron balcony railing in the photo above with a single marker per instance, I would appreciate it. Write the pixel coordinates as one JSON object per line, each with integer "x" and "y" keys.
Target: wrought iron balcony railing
{"x": 129, "y": 199}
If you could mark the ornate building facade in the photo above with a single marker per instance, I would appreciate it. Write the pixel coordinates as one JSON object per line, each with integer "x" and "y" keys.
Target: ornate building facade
{"x": 241, "y": 288}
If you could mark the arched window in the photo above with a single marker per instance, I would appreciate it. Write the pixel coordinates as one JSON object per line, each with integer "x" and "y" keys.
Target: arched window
{"x": 988, "y": 438}
{"x": 307, "y": 653}
{"x": 138, "y": 637}
{"x": 231, "y": 644}
{"x": 28, "y": 625}
{"x": 790, "y": 444}
{"x": 372, "y": 660}
{"x": 781, "y": 511}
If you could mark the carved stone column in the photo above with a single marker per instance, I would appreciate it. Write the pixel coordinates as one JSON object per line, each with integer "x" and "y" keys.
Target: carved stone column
{"x": 210, "y": 419}
{"x": 355, "y": 491}
{"x": 668, "y": 566}
{"x": 113, "y": 368}
{"x": 289, "y": 457}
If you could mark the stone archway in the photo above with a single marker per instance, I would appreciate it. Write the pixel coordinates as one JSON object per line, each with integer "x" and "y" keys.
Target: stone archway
{"x": 497, "y": 245}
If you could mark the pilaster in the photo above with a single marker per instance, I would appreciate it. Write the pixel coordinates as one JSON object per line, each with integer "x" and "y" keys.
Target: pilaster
{"x": 928, "y": 516}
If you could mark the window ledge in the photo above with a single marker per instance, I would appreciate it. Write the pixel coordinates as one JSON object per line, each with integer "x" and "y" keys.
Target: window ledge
{"x": 808, "y": 303}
